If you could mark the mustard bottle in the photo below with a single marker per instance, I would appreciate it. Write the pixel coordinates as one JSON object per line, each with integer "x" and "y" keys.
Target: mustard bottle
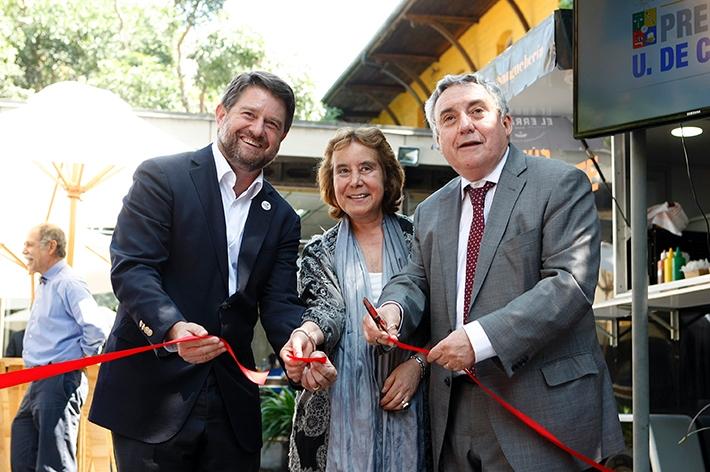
{"x": 668, "y": 266}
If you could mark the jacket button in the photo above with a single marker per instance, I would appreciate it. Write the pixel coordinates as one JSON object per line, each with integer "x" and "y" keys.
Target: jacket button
{"x": 447, "y": 381}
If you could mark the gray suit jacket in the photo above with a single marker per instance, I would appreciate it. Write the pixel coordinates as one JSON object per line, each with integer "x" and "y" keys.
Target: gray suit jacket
{"x": 533, "y": 292}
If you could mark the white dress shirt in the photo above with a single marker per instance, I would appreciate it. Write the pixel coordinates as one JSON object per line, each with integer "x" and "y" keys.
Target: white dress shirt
{"x": 236, "y": 210}
{"x": 476, "y": 335}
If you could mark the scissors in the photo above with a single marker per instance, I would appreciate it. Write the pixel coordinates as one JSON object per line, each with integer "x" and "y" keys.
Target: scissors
{"x": 375, "y": 316}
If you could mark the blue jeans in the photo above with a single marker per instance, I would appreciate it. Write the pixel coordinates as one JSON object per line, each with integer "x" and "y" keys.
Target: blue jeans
{"x": 46, "y": 426}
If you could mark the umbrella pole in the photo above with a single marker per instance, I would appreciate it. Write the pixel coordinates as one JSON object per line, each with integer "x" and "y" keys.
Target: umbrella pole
{"x": 73, "y": 199}
{"x": 74, "y": 191}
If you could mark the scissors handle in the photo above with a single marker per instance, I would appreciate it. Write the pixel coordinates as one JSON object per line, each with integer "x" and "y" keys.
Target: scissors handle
{"x": 373, "y": 313}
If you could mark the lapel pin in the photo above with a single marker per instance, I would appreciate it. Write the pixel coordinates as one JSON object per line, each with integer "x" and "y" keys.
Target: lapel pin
{"x": 266, "y": 205}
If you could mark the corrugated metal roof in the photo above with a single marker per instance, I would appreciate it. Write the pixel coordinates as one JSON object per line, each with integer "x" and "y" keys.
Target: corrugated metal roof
{"x": 403, "y": 48}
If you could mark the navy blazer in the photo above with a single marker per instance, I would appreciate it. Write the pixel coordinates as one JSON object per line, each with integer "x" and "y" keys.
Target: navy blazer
{"x": 169, "y": 263}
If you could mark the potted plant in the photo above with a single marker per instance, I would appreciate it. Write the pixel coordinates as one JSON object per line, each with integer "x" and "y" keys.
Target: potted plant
{"x": 277, "y": 407}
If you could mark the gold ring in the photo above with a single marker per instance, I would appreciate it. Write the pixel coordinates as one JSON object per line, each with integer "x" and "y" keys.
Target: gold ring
{"x": 317, "y": 387}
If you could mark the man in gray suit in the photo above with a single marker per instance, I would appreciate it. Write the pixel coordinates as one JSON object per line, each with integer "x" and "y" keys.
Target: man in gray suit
{"x": 504, "y": 268}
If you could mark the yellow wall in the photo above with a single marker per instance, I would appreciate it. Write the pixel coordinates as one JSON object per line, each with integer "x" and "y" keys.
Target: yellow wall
{"x": 480, "y": 42}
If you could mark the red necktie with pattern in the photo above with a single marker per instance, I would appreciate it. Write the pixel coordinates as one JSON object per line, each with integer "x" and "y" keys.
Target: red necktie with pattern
{"x": 478, "y": 197}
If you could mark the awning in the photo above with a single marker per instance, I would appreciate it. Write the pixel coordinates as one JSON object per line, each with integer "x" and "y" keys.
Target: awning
{"x": 535, "y": 73}
{"x": 535, "y": 76}
{"x": 416, "y": 35}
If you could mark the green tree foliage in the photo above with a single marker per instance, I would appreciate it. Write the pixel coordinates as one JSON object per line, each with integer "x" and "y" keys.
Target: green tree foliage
{"x": 140, "y": 66}
{"x": 192, "y": 13}
{"x": 10, "y": 72}
{"x": 307, "y": 106}
{"x": 53, "y": 41}
{"x": 219, "y": 57}
{"x": 155, "y": 54}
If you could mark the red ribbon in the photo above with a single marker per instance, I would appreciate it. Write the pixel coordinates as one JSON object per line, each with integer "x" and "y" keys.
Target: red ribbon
{"x": 531, "y": 423}
{"x": 10, "y": 379}
{"x": 320, "y": 360}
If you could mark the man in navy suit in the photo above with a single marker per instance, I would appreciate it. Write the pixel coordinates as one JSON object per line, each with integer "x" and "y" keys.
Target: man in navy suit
{"x": 203, "y": 246}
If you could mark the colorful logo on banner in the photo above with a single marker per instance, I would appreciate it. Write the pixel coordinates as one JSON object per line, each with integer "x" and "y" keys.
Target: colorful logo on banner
{"x": 644, "y": 28}
{"x": 678, "y": 34}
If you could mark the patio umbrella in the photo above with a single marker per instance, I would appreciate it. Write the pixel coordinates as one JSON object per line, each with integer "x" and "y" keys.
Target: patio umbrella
{"x": 13, "y": 275}
{"x": 71, "y": 142}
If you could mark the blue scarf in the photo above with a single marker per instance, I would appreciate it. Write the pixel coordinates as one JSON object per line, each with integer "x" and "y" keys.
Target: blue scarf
{"x": 363, "y": 437}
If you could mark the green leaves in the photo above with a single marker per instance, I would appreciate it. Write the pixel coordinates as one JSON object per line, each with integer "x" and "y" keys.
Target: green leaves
{"x": 219, "y": 57}
{"x": 277, "y": 413}
{"x": 133, "y": 48}
{"x": 194, "y": 12}
{"x": 54, "y": 41}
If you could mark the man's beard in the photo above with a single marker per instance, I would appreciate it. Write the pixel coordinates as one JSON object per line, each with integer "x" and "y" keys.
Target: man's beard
{"x": 249, "y": 162}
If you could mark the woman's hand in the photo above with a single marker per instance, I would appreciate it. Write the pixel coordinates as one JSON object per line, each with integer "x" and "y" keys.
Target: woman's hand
{"x": 302, "y": 343}
{"x": 298, "y": 345}
{"x": 400, "y": 386}
{"x": 318, "y": 376}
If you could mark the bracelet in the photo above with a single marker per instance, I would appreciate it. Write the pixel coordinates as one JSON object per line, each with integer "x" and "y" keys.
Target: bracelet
{"x": 310, "y": 338}
{"x": 422, "y": 365}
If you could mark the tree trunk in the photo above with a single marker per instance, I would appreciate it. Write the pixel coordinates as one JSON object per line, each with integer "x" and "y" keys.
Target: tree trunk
{"x": 181, "y": 76}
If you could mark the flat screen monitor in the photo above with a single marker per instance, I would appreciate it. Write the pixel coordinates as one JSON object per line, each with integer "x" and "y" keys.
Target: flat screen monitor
{"x": 639, "y": 63}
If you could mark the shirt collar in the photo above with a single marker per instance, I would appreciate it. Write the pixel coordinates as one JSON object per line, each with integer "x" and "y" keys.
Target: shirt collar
{"x": 227, "y": 175}
{"x": 55, "y": 269}
{"x": 494, "y": 175}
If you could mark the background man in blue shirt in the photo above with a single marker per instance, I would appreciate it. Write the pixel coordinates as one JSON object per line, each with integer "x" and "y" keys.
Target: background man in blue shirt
{"x": 65, "y": 323}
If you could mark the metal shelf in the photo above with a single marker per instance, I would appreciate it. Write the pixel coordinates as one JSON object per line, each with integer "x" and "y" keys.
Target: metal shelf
{"x": 664, "y": 297}
{"x": 664, "y": 302}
